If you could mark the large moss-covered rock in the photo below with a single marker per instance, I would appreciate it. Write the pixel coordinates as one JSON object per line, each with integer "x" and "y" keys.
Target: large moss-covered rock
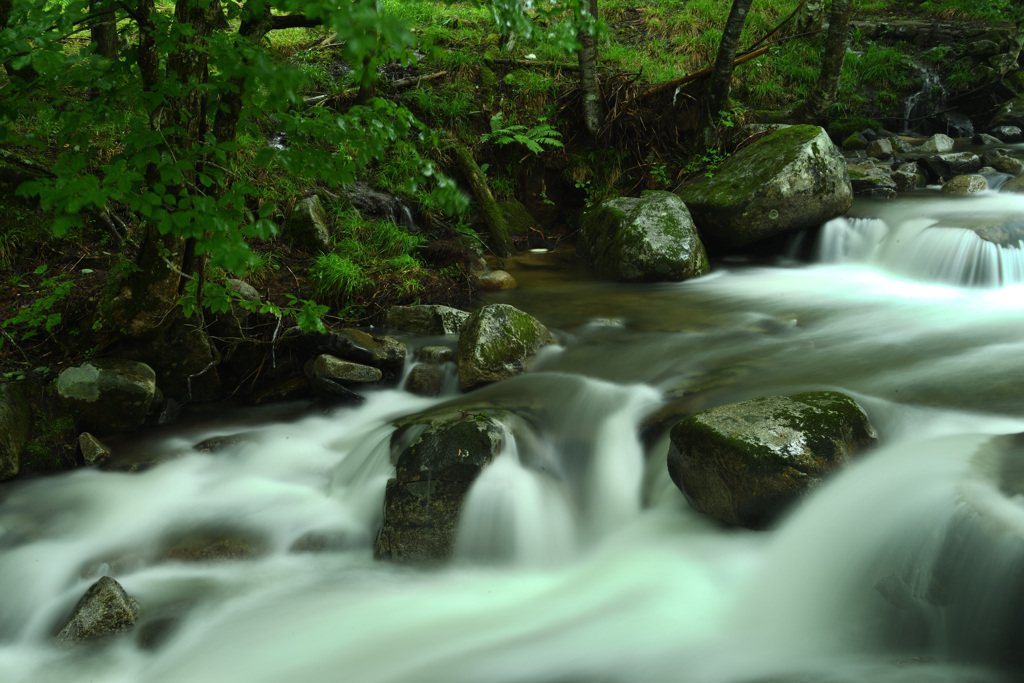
{"x": 15, "y": 421}
{"x": 650, "y": 239}
{"x": 438, "y": 457}
{"x": 496, "y": 343}
{"x": 104, "y": 610}
{"x": 745, "y": 463}
{"x": 794, "y": 178}
{"x": 965, "y": 184}
{"x": 306, "y": 227}
{"x": 109, "y": 394}
{"x": 1011, "y": 114}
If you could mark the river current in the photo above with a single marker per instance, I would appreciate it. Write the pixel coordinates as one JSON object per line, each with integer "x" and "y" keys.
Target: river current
{"x": 577, "y": 558}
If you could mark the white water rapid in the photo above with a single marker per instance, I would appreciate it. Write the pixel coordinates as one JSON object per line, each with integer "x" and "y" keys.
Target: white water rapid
{"x": 577, "y": 559}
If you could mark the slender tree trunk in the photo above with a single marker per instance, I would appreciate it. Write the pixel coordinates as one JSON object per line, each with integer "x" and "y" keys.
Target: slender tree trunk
{"x": 104, "y": 29}
{"x": 721, "y": 76}
{"x": 147, "y": 58}
{"x": 593, "y": 105}
{"x": 256, "y": 23}
{"x": 368, "y": 77}
{"x": 823, "y": 94}
{"x": 477, "y": 181}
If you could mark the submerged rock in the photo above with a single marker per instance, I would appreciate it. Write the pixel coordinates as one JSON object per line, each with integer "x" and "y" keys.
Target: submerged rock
{"x": 438, "y": 458}
{"x": 792, "y": 179}
{"x": 650, "y": 239}
{"x": 109, "y": 394}
{"x": 104, "y": 610}
{"x": 496, "y": 343}
{"x": 745, "y": 463}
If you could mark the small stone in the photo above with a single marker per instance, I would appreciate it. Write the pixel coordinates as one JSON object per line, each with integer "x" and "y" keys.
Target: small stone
{"x": 938, "y": 143}
{"x": 880, "y": 149}
{"x": 495, "y": 280}
{"x": 94, "y": 451}
{"x": 436, "y": 354}
{"x": 425, "y": 379}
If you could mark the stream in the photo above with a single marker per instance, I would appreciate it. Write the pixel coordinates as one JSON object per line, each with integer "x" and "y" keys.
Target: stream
{"x": 578, "y": 560}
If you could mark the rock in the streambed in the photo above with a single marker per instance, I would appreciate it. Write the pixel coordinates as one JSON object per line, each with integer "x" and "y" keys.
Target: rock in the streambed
{"x": 94, "y": 451}
{"x": 1007, "y": 133}
{"x": 985, "y": 139}
{"x": 942, "y": 167}
{"x": 184, "y": 361}
{"x": 436, "y": 354}
{"x": 793, "y": 179}
{"x": 1002, "y": 162}
{"x": 938, "y": 144}
{"x": 344, "y": 371}
{"x": 868, "y": 180}
{"x": 438, "y": 458}
{"x": 331, "y": 393}
{"x": 234, "y": 322}
{"x": 494, "y": 281}
{"x": 965, "y": 184}
{"x": 907, "y": 177}
{"x": 109, "y": 394}
{"x": 745, "y": 463}
{"x": 496, "y": 343}
{"x": 650, "y": 239}
{"x": 104, "y": 610}
{"x": 424, "y": 319}
{"x": 425, "y": 379}
{"x": 307, "y": 228}
{"x": 880, "y": 149}
{"x": 15, "y": 422}
{"x": 383, "y": 352}
{"x": 855, "y": 142}
{"x": 1010, "y": 115}
{"x": 1014, "y": 185}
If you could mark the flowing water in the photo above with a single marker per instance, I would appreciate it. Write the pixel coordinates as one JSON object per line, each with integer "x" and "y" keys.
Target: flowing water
{"x": 577, "y": 559}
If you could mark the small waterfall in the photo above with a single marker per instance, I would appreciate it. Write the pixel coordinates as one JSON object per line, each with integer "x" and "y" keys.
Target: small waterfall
{"x": 851, "y": 239}
{"x": 923, "y": 104}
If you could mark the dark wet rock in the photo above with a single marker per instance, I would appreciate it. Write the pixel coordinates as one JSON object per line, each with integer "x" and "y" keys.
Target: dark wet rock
{"x": 109, "y": 394}
{"x": 332, "y": 393}
{"x": 431, "y": 320}
{"x": 965, "y": 184}
{"x": 646, "y": 239}
{"x": 1003, "y": 162}
{"x": 183, "y": 359}
{"x": 344, "y": 371}
{"x": 942, "y": 167}
{"x": 868, "y": 180}
{"x": 306, "y": 227}
{"x": 290, "y": 389}
{"x": 1009, "y": 234}
{"x": 494, "y": 281}
{"x": 899, "y": 144}
{"x": 792, "y": 179}
{"x": 985, "y": 139}
{"x": 234, "y": 323}
{"x": 215, "y": 444}
{"x": 1011, "y": 115}
{"x": 374, "y": 204}
{"x": 206, "y": 546}
{"x": 436, "y": 354}
{"x": 379, "y": 351}
{"x": 907, "y": 177}
{"x": 15, "y": 423}
{"x": 94, "y": 451}
{"x": 104, "y": 610}
{"x": 745, "y": 463}
{"x": 438, "y": 458}
{"x": 1007, "y": 133}
{"x": 496, "y": 343}
{"x": 425, "y": 379}
{"x": 938, "y": 143}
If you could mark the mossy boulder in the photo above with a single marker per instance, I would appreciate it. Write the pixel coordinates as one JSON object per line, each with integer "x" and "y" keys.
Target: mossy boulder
{"x": 1010, "y": 114}
{"x": 496, "y": 343}
{"x": 965, "y": 184}
{"x": 109, "y": 394}
{"x": 646, "y": 239}
{"x": 438, "y": 457}
{"x": 104, "y": 610}
{"x": 307, "y": 228}
{"x": 517, "y": 217}
{"x": 427, "y": 319}
{"x": 793, "y": 179}
{"x": 15, "y": 422}
{"x": 745, "y": 463}
{"x": 184, "y": 360}
{"x": 344, "y": 371}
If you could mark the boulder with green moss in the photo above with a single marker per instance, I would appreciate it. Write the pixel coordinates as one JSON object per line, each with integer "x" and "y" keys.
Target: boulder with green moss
{"x": 496, "y": 343}
{"x": 15, "y": 421}
{"x": 109, "y": 394}
{"x": 745, "y": 463}
{"x": 437, "y": 456}
{"x": 427, "y": 319}
{"x": 793, "y": 179}
{"x": 646, "y": 239}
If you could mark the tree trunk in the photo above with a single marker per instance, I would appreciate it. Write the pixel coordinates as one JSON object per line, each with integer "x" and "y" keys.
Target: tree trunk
{"x": 721, "y": 76}
{"x": 477, "y": 181}
{"x": 368, "y": 76}
{"x": 823, "y": 94}
{"x": 103, "y": 32}
{"x": 147, "y": 58}
{"x": 593, "y": 105}
{"x": 256, "y": 23}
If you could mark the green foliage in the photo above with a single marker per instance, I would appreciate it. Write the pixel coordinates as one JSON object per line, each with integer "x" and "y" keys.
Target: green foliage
{"x": 534, "y": 139}
{"x": 40, "y": 314}
{"x": 706, "y": 162}
{"x": 336, "y": 277}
